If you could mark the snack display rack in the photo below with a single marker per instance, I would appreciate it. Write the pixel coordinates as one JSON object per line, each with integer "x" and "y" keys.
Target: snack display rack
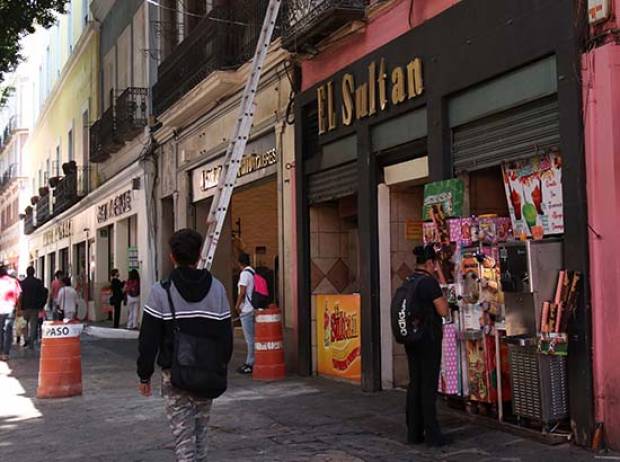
{"x": 491, "y": 358}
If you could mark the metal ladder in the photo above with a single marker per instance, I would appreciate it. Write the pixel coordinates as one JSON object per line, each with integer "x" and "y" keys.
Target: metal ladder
{"x": 236, "y": 148}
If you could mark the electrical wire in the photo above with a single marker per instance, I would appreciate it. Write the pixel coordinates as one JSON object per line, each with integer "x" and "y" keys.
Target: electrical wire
{"x": 194, "y": 15}
{"x": 186, "y": 13}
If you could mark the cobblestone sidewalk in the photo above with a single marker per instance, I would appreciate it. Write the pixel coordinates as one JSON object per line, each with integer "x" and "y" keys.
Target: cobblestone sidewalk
{"x": 294, "y": 420}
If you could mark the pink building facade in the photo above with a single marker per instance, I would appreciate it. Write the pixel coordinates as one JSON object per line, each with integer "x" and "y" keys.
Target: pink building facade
{"x": 387, "y": 21}
{"x": 601, "y": 108}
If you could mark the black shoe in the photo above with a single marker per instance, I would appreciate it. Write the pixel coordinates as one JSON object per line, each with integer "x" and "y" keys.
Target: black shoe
{"x": 245, "y": 369}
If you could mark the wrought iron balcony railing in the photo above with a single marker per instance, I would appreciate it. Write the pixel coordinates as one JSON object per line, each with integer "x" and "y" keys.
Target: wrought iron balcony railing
{"x": 131, "y": 112}
{"x": 306, "y": 22}
{"x": 224, "y": 39}
{"x": 44, "y": 206}
{"x": 7, "y": 177}
{"x": 9, "y": 130}
{"x": 103, "y": 136}
{"x": 72, "y": 187}
{"x": 29, "y": 226}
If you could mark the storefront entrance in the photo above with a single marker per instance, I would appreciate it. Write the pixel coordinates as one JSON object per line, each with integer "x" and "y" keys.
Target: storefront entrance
{"x": 250, "y": 227}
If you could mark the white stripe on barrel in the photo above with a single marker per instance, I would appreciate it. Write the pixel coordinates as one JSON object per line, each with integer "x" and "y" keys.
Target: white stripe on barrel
{"x": 266, "y": 318}
{"x": 266, "y": 346}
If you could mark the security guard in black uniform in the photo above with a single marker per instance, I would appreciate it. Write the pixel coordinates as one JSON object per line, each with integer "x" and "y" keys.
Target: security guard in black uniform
{"x": 424, "y": 357}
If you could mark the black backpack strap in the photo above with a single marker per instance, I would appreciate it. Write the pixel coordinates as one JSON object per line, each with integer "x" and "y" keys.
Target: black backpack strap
{"x": 414, "y": 288}
{"x": 166, "y": 285}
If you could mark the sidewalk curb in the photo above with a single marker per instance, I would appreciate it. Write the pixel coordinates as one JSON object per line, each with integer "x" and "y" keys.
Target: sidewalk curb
{"x": 111, "y": 333}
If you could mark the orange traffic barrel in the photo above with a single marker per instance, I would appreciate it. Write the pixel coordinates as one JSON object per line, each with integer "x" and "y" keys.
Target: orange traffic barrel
{"x": 60, "y": 366}
{"x": 269, "y": 363}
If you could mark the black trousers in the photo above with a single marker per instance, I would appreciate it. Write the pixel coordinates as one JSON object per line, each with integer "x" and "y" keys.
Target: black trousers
{"x": 117, "y": 313}
{"x": 424, "y": 363}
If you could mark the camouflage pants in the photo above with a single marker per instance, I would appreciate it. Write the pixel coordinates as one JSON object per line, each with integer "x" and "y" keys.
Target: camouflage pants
{"x": 188, "y": 417}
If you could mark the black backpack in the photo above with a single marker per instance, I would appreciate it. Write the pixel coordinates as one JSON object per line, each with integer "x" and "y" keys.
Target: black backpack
{"x": 195, "y": 366}
{"x": 407, "y": 314}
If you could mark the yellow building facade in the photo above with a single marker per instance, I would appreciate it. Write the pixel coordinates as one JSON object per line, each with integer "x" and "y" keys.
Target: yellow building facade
{"x": 66, "y": 95}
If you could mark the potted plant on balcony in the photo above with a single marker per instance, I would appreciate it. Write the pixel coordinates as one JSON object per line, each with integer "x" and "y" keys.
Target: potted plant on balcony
{"x": 53, "y": 181}
{"x": 69, "y": 167}
{"x": 34, "y": 200}
{"x": 29, "y": 210}
{"x": 22, "y": 216}
{"x": 44, "y": 191}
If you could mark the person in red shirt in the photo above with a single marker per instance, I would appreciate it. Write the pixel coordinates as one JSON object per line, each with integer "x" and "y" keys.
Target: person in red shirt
{"x": 10, "y": 293}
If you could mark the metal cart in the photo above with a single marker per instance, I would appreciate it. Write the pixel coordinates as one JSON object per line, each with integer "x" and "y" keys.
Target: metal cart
{"x": 538, "y": 382}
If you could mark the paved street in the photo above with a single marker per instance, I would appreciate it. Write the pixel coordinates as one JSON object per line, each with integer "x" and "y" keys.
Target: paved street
{"x": 294, "y": 420}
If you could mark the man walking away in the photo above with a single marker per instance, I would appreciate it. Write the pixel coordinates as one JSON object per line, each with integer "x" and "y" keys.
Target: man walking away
{"x": 34, "y": 297}
{"x": 117, "y": 296}
{"x": 192, "y": 305}
{"x": 68, "y": 300}
{"x": 10, "y": 292}
{"x": 245, "y": 310}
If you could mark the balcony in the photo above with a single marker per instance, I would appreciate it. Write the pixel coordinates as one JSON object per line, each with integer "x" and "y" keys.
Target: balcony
{"x": 44, "y": 209}
{"x": 131, "y": 112}
{"x": 7, "y": 178}
{"x": 9, "y": 130}
{"x": 103, "y": 137}
{"x": 222, "y": 40}
{"x": 28, "y": 217}
{"x": 307, "y": 22}
{"x": 69, "y": 189}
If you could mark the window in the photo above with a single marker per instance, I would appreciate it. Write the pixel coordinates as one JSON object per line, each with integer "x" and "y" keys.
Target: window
{"x": 48, "y": 71}
{"x": 69, "y": 28}
{"x": 85, "y": 133}
{"x": 70, "y": 145}
{"x": 85, "y": 12}
{"x": 58, "y": 161}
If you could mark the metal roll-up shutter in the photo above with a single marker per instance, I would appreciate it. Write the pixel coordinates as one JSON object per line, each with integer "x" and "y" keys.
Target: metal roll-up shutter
{"x": 333, "y": 184}
{"x": 515, "y": 134}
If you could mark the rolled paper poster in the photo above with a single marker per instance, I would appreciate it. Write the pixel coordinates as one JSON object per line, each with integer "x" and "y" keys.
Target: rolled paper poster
{"x": 544, "y": 319}
{"x": 553, "y": 312}
{"x": 558, "y": 321}
{"x": 558, "y": 289}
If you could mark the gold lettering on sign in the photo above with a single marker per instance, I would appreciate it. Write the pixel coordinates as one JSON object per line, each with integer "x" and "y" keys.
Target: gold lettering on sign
{"x": 382, "y": 86}
{"x": 320, "y": 98}
{"x": 348, "y": 87}
{"x": 361, "y": 101}
{"x": 415, "y": 83}
{"x": 331, "y": 111}
{"x": 398, "y": 85}
{"x": 250, "y": 163}
{"x": 367, "y": 98}
{"x": 372, "y": 83}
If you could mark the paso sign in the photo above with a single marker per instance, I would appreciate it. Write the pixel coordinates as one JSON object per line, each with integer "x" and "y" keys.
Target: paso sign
{"x": 52, "y": 329}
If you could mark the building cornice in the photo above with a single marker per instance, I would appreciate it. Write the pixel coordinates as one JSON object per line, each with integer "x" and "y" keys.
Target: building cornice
{"x": 74, "y": 59}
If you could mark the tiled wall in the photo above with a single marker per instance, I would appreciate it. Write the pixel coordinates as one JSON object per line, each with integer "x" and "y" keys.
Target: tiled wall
{"x": 405, "y": 204}
{"x": 257, "y": 208}
{"x": 334, "y": 257}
